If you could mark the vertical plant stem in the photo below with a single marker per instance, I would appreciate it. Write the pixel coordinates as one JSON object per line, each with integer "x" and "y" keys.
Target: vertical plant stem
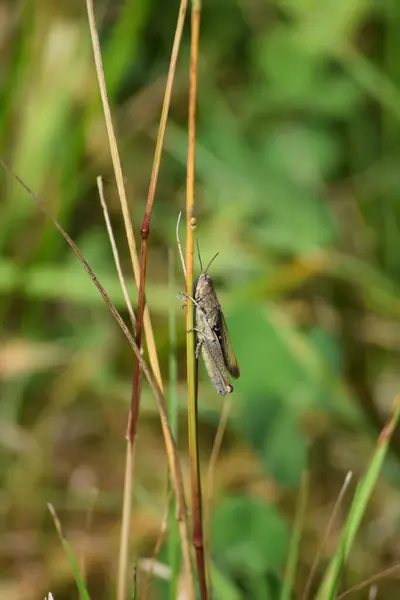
{"x": 125, "y": 523}
{"x": 173, "y": 539}
{"x": 190, "y": 346}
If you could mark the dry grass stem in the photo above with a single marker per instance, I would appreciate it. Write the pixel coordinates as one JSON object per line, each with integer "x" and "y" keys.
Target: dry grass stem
{"x": 178, "y": 241}
{"x": 370, "y": 581}
{"x": 115, "y": 253}
{"x": 151, "y": 346}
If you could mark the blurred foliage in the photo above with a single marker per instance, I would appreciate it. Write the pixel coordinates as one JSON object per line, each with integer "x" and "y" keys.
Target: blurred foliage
{"x": 298, "y": 189}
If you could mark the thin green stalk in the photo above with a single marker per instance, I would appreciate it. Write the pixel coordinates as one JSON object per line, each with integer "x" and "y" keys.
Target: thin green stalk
{"x": 325, "y": 537}
{"x": 173, "y": 537}
{"x": 190, "y": 345}
{"x": 83, "y": 592}
{"x": 293, "y": 555}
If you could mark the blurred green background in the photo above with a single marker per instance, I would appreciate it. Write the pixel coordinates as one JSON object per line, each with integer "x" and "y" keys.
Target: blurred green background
{"x": 298, "y": 184}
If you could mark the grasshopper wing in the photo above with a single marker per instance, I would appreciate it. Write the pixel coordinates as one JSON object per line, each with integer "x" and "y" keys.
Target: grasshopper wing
{"x": 226, "y": 346}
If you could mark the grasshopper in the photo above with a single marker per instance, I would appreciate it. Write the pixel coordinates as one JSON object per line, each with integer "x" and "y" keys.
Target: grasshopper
{"x": 212, "y": 334}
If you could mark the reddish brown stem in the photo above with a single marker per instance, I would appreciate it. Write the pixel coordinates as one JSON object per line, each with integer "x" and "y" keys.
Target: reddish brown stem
{"x": 135, "y": 398}
{"x": 198, "y": 535}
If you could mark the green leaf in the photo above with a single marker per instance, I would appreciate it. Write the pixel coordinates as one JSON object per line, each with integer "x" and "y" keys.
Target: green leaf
{"x": 285, "y": 450}
{"x": 302, "y": 153}
{"x": 289, "y": 226}
{"x": 256, "y": 418}
{"x": 285, "y": 66}
{"x": 223, "y": 588}
{"x": 272, "y": 430}
{"x": 275, "y": 359}
{"x": 249, "y": 536}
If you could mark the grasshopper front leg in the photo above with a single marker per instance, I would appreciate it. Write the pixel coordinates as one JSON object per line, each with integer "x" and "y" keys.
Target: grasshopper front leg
{"x": 199, "y": 342}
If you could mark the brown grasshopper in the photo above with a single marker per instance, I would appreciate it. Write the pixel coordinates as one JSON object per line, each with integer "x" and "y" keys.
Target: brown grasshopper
{"x": 212, "y": 337}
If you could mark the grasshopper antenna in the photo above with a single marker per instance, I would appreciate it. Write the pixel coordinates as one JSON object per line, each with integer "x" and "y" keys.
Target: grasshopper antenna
{"x": 198, "y": 254}
{"x": 211, "y": 261}
{"x": 178, "y": 241}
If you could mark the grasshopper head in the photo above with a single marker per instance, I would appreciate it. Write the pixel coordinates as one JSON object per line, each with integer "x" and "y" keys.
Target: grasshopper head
{"x": 203, "y": 287}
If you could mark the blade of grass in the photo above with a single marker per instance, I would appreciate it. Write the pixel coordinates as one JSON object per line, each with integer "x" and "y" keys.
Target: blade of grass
{"x": 88, "y": 524}
{"x": 84, "y": 594}
{"x": 190, "y": 350}
{"x": 293, "y": 556}
{"x": 328, "y": 587}
{"x": 326, "y": 535}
